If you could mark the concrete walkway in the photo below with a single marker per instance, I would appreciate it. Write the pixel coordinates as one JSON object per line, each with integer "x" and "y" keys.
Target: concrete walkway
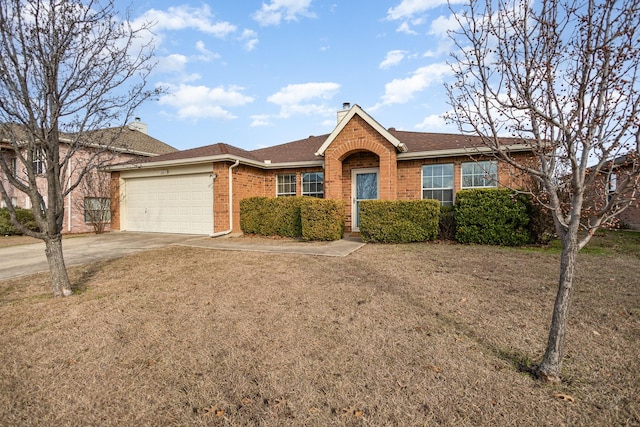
{"x": 337, "y": 248}
{"x": 22, "y": 260}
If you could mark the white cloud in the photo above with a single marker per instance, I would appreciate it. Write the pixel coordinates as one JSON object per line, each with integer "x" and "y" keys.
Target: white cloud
{"x": 250, "y": 39}
{"x": 404, "y": 28}
{"x": 183, "y": 17}
{"x": 408, "y": 9}
{"x": 205, "y": 54}
{"x": 297, "y": 93}
{"x": 401, "y": 91}
{"x": 174, "y": 63}
{"x": 198, "y": 102}
{"x": 394, "y": 57}
{"x": 413, "y": 12}
{"x": 305, "y": 99}
{"x": 289, "y": 10}
{"x": 261, "y": 120}
{"x": 441, "y": 26}
{"x": 436, "y": 123}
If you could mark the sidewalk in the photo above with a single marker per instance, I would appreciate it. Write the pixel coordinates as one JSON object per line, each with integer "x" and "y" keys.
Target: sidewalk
{"x": 337, "y": 248}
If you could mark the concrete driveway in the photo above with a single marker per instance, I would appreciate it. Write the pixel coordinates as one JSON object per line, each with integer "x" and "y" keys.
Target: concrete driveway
{"x": 16, "y": 261}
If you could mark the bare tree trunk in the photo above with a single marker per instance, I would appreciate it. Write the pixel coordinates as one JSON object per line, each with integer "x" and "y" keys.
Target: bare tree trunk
{"x": 59, "y": 278}
{"x": 551, "y": 364}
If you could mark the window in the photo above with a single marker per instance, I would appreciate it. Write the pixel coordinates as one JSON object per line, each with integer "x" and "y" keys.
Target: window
{"x": 480, "y": 174}
{"x": 286, "y": 185}
{"x": 612, "y": 185}
{"x": 313, "y": 184}
{"x": 38, "y": 161}
{"x": 437, "y": 183}
{"x": 97, "y": 209}
{"x": 14, "y": 166}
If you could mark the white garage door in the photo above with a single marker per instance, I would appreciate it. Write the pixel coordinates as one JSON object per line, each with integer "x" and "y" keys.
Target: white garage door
{"x": 170, "y": 204}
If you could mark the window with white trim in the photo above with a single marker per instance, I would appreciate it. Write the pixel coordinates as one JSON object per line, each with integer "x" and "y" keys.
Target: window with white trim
{"x": 612, "y": 185}
{"x": 437, "y": 183}
{"x": 313, "y": 184}
{"x": 482, "y": 174}
{"x": 286, "y": 185}
{"x": 38, "y": 161}
{"x": 14, "y": 166}
{"x": 97, "y": 210}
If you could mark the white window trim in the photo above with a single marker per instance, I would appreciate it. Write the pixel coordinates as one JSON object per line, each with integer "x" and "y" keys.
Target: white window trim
{"x": 311, "y": 193}
{"x": 295, "y": 182}
{"x": 462, "y": 186}
{"x": 452, "y": 188}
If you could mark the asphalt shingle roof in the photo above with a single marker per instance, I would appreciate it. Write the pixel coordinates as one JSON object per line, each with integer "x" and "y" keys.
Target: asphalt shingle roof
{"x": 303, "y": 150}
{"x": 123, "y": 138}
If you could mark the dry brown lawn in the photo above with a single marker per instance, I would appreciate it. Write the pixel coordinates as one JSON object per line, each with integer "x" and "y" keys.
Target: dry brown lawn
{"x": 392, "y": 335}
{"x": 6, "y": 241}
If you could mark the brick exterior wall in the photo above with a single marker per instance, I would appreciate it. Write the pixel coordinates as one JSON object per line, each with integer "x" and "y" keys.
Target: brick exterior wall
{"x": 115, "y": 201}
{"x": 357, "y": 146}
{"x": 596, "y": 197}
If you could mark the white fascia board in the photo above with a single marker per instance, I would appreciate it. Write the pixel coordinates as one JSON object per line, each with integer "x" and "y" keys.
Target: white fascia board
{"x": 460, "y": 152}
{"x": 212, "y": 159}
{"x": 367, "y": 118}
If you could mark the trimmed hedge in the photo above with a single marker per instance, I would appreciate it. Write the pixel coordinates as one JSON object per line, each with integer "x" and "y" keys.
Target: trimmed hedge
{"x": 322, "y": 219}
{"x": 271, "y": 216}
{"x": 306, "y": 217}
{"x": 492, "y": 217}
{"x": 399, "y": 221}
{"x": 25, "y": 217}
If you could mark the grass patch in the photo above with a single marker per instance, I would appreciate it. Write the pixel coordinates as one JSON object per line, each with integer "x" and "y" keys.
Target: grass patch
{"x": 415, "y": 334}
{"x": 604, "y": 242}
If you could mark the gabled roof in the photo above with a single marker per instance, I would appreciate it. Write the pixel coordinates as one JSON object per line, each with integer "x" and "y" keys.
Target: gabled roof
{"x": 122, "y": 139}
{"x": 209, "y": 151}
{"x": 132, "y": 140}
{"x": 302, "y": 150}
{"x": 308, "y": 152}
{"x": 356, "y": 110}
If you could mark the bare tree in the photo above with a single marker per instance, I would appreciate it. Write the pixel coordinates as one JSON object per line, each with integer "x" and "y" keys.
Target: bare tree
{"x": 95, "y": 200}
{"x": 67, "y": 69}
{"x": 563, "y": 77}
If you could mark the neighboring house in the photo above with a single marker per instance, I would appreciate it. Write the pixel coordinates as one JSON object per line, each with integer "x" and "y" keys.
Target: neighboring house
{"x": 198, "y": 191}
{"x": 619, "y": 175}
{"x": 92, "y": 195}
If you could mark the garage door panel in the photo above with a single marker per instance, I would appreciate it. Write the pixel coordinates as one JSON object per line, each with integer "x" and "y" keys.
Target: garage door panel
{"x": 170, "y": 204}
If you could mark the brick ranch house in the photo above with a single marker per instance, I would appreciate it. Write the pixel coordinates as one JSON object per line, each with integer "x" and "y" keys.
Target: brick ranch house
{"x": 619, "y": 175}
{"x": 132, "y": 143}
{"x": 198, "y": 191}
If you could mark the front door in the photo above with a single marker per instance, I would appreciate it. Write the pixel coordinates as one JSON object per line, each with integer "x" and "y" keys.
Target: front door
{"x": 364, "y": 186}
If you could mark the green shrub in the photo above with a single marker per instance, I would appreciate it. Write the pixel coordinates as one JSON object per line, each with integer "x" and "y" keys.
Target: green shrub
{"x": 492, "y": 216}
{"x": 24, "y": 216}
{"x": 286, "y": 216}
{"x": 399, "y": 221}
{"x": 306, "y": 217}
{"x": 322, "y": 219}
{"x": 271, "y": 216}
{"x": 253, "y": 216}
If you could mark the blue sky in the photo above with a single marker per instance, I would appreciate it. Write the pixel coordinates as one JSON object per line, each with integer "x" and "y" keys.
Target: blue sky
{"x": 259, "y": 73}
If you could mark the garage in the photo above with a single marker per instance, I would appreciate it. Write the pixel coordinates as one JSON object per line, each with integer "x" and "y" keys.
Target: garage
{"x": 169, "y": 203}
